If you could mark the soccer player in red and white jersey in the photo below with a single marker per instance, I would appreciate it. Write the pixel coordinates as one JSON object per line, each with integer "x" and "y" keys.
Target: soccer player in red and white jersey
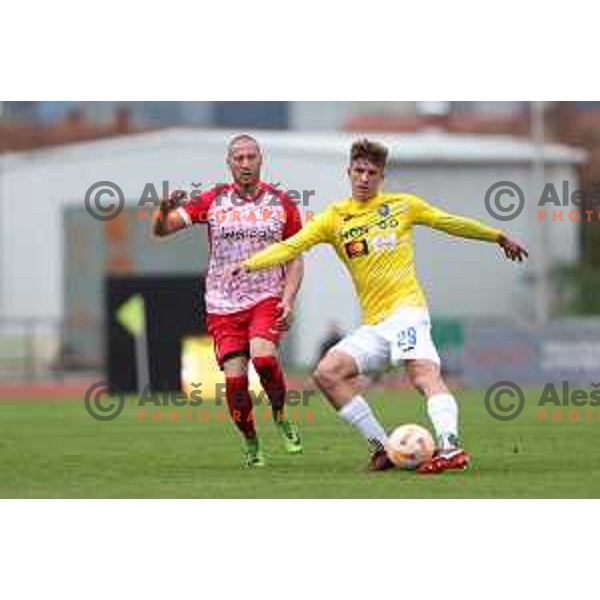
{"x": 246, "y": 317}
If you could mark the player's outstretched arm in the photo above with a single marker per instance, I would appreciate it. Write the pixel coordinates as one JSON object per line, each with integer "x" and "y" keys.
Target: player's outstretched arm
{"x": 313, "y": 233}
{"x": 425, "y": 214}
{"x": 281, "y": 253}
{"x": 168, "y": 220}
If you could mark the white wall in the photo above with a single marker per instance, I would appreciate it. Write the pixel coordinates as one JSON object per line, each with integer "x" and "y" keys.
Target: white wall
{"x": 37, "y": 190}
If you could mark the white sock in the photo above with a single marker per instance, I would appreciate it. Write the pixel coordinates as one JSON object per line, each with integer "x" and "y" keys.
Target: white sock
{"x": 359, "y": 414}
{"x": 443, "y": 412}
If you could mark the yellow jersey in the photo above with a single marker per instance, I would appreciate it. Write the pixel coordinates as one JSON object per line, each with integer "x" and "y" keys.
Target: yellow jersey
{"x": 374, "y": 240}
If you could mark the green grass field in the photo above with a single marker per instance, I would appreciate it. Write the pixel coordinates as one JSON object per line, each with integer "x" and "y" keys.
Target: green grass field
{"x": 55, "y": 449}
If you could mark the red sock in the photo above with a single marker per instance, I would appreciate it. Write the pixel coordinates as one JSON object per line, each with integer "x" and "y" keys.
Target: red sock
{"x": 272, "y": 380}
{"x": 240, "y": 404}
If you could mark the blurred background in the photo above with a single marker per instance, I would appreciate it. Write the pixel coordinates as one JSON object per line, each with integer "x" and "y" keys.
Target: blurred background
{"x": 64, "y": 274}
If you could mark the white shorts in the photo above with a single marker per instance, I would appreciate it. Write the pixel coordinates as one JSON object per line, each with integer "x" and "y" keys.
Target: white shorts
{"x": 404, "y": 335}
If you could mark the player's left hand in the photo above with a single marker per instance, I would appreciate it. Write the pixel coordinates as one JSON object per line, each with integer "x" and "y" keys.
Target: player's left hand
{"x": 286, "y": 316}
{"x": 512, "y": 249}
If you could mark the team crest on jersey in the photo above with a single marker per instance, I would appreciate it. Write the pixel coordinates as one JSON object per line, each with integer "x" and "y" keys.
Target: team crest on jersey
{"x": 357, "y": 248}
{"x": 384, "y": 210}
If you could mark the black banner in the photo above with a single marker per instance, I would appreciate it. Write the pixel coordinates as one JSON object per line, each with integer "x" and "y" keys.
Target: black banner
{"x": 174, "y": 309}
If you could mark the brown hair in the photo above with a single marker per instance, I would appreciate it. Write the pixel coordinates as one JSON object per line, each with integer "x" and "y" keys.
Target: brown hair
{"x": 374, "y": 152}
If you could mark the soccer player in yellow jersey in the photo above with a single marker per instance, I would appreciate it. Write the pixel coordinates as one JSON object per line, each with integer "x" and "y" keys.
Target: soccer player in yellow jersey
{"x": 371, "y": 233}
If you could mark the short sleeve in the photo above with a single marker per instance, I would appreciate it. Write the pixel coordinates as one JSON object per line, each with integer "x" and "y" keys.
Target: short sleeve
{"x": 195, "y": 210}
{"x": 293, "y": 219}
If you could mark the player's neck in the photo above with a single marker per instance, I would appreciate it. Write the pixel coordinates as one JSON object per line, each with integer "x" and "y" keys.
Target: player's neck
{"x": 365, "y": 200}
{"x": 248, "y": 191}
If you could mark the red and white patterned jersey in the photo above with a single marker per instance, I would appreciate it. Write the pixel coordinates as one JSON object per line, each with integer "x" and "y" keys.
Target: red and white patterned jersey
{"x": 238, "y": 227}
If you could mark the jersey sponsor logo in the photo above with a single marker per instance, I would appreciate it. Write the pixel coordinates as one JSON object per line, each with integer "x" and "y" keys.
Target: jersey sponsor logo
{"x": 356, "y": 248}
{"x": 362, "y": 230}
{"x": 235, "y": 235}
{"x": 355, "y": 232}
{"x": 383, "y": 243}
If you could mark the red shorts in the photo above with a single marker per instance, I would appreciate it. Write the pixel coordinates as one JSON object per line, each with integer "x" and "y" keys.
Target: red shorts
{"x": 232, "y": 333}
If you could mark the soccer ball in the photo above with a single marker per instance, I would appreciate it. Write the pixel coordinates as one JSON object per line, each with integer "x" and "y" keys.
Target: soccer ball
{"x": 409, "y": 446}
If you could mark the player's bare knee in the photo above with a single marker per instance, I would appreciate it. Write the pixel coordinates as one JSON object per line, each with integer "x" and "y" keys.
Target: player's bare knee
{"x": 326, "y": 376}
{"x": 426, "y": 377}
{"x": 420, "y": 379}
{"x": 335, "y": 369}
{"x": 236, "y": 366}
{"x": 262, "y": 347}
{"x": 321, "y": 377}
